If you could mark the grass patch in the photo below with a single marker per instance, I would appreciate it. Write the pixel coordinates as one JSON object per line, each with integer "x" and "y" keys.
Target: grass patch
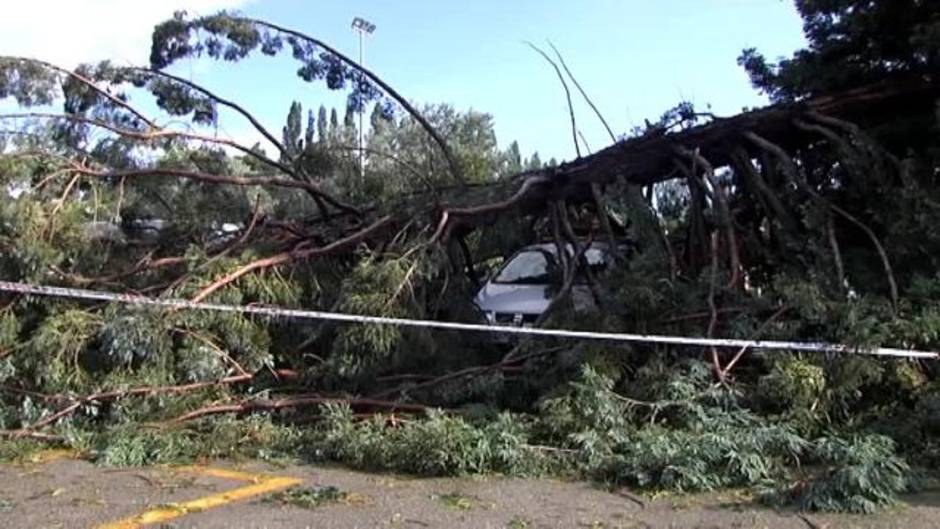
{"x": 519, "y": 522}
{"x": 310, "y": 497}
{"x": 20, "y": 450}
{"x": 456, "y": 501}
{"x": 6, "y": 505}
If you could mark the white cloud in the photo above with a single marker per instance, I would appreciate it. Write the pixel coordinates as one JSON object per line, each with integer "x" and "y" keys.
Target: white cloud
{"x": 68, "y": 32}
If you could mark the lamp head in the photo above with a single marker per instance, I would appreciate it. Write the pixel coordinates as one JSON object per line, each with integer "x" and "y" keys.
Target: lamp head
{"x": 363, "y": 25}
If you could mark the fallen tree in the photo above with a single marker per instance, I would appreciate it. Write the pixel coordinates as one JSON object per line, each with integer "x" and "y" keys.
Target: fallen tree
{"x": 810, "y": 219}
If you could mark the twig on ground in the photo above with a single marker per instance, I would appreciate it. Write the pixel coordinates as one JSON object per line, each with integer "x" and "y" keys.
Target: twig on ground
{"x": 294, "y": 402}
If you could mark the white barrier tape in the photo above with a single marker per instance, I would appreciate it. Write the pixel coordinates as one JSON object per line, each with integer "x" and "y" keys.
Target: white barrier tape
{"x": 818, "y": 347}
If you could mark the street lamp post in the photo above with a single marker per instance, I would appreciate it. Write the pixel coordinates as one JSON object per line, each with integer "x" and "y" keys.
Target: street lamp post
{"x": 363, "y": 27}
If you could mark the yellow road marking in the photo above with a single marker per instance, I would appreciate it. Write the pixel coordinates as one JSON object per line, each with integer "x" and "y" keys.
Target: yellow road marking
{"x": 223, "y": 473}
{"x": 261, "y": 484}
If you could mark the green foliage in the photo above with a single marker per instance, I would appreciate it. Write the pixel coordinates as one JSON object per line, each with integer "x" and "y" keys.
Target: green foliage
{"x": 20, "y": 450}
{"x": 29, "y": 84}
{"x": 589, "y": 417}
{"x": 794, "y": 384}
{"x": 227, "y": 37}
{"x": 734, "y": 453}
{"x": 378, "y": 287}
{"x": 438, "y": 445}
{"x": 706, "y": 442}
{"x": 55, "y": 354}
{"x": 859, "y": 474}
{"x": 33, "y": 240}
{"x": 851, "y": 42}
{"x": 130, "y": 336}
{"x": 252, "y": 437}
{"x": 9, "y": 330}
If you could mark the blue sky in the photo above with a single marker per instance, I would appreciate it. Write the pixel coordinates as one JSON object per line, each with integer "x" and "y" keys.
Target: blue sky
{"x": 635, "y": 58}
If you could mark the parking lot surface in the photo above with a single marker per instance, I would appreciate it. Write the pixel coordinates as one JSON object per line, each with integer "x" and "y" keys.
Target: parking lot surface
{"x": 56, "y": 490}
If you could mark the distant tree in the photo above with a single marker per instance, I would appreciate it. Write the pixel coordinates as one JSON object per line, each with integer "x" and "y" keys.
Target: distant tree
{"x": 470, "y": 134}
{"x": 379, "y": 117}
{"x": 292, "y": 132}
{"x": 511, "y": 160}
{"x": 310, "y": 132}
{"x": 334, "y": 121}
{"x": 533, "y": 163}
{"x": 322, "y": 124}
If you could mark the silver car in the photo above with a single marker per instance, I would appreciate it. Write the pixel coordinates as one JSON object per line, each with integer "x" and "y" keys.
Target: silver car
{"x": 520, "y": 291}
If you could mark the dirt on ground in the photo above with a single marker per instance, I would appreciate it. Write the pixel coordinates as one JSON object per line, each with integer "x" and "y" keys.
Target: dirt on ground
{"x": 68, "y": 493}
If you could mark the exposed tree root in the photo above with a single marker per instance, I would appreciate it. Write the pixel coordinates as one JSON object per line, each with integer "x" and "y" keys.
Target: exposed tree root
{"x": 724, "y": 213}
{"x": 794, "y": 174}
{"x": 741, "y": 162}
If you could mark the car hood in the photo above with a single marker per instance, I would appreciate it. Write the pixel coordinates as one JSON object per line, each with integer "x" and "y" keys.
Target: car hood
{"x": 515, "y": 299}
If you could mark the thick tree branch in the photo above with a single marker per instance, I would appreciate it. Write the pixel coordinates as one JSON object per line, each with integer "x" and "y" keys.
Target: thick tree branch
{"x": 297, "y": 255}
{"x": 154, "y": 135}
{"x": 649, "y": 159}
{"x": 218, "y": 99}
{"x": 296, "y": 402}
{"x": 454, "y": 216}
{"x": 271, "y": 181}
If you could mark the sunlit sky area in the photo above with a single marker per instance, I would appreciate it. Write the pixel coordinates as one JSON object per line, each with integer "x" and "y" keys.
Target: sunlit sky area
{"x": 635, "y": 58}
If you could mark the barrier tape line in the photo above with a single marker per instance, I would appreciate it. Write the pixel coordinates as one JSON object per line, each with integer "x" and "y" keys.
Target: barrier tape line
{"x": 276, "y": 312}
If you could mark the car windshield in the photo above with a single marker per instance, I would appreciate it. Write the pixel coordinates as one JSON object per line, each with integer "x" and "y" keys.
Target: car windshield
{"x": 536, "y": 267}
{"x": 528, "y": 267}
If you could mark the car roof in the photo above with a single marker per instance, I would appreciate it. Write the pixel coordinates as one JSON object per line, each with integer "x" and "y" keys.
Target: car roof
{"x": 550, "y": 246}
